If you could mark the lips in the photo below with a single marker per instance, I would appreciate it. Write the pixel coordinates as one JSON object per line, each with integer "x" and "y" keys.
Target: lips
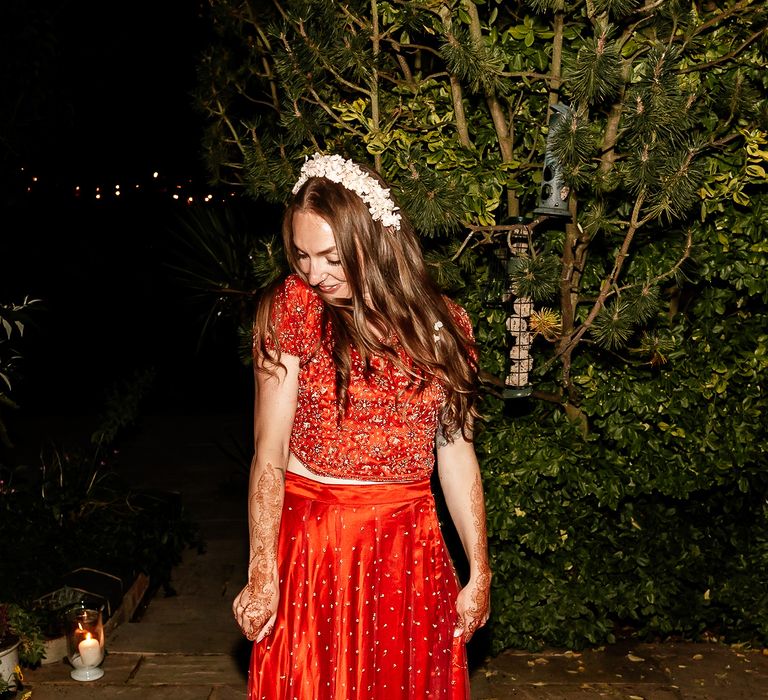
{"x": 329, "y": 289}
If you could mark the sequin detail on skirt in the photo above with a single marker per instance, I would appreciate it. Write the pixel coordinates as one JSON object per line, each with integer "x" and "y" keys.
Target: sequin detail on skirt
{"x": 367, "y": 599}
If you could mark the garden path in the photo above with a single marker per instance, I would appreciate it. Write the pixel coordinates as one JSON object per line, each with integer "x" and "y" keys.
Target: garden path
{"x": 187, "y": 647}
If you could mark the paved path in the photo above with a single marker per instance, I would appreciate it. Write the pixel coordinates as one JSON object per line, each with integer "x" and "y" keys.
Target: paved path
{"x": 187, "y": 647}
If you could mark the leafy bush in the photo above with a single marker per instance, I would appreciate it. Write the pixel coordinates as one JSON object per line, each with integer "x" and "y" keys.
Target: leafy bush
{"x": 629, "y": 491}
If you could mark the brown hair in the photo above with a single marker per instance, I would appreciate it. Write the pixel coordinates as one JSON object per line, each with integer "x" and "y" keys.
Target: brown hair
{"x": 392, "y": 293}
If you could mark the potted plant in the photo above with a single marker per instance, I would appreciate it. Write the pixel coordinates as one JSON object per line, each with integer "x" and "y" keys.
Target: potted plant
{"x": 21, "y": 642}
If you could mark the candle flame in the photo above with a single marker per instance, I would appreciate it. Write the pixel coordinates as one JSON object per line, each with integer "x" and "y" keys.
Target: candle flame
{"x": 87, "y": 635}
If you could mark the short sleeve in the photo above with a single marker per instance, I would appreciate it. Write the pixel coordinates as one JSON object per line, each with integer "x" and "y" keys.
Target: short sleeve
{"x": 296, "y": 316}
{"x": 461, "y": 317}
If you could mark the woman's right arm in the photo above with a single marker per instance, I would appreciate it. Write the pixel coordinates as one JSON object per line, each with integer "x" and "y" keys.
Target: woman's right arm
{"x": 256, "y": 605}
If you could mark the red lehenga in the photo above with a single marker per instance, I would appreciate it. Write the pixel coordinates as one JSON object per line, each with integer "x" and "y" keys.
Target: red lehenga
{"x": 367, "y": 588}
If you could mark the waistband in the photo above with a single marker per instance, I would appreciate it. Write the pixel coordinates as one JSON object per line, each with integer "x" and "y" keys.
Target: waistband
{"x": 357, "y": 494}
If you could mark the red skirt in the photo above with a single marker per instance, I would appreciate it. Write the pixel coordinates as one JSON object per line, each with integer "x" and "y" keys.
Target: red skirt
{"x": 367, "y": 599}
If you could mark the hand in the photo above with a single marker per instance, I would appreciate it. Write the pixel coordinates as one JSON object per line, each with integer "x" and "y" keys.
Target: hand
{"x": 473, "y": 605}
{"x": 255, "y": 607}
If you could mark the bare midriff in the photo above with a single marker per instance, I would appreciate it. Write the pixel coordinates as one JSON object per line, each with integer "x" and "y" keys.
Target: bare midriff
{"x": 296, "y": 467}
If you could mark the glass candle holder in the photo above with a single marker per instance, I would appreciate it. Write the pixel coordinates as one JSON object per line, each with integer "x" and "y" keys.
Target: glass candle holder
{"x": 85, "y": 643}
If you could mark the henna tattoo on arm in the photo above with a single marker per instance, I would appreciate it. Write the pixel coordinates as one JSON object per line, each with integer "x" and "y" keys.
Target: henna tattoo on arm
{"x": 264, "y": 513}
{"x": 481, "y": 571}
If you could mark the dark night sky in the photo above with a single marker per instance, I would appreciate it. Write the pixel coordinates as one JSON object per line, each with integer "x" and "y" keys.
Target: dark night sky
{"x": 105, "y": 93}
{"x": 119, "y": 84}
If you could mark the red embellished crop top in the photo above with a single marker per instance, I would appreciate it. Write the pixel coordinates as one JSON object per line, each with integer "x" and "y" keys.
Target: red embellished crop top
{"x": 388, "y": 430}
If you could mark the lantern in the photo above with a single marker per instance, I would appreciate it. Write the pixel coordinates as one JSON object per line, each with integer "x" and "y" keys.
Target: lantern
{"x": 85, "y": 643}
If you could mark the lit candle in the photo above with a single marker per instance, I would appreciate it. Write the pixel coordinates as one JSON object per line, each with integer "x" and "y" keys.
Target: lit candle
{"x": 90, "y": 651}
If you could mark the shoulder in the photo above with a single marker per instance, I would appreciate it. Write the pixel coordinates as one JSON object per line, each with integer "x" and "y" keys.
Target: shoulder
{"x": 289, "y": 318}
{"x": 460, "y": 316}
{"x": 293, "y": 294}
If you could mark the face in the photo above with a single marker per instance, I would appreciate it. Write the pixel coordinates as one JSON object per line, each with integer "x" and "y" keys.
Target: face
{"x": 317, "y": 256}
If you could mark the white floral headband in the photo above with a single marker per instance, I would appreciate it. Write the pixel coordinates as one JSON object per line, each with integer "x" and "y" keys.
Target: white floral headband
{"x": 346, "y": 173}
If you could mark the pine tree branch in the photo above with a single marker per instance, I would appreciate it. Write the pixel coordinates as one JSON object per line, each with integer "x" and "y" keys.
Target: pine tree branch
{"x": 456, "y": 93}
{"x": 525, "y": 74}
{"x": 375, "y": 116}
{"x": 568, "y": 344}
{"x": 353, "y": 19}
{"x": 611, "y": 133}
{"x": 650, "y": 7}
{"x": 222, "y": 114}
{"x": 415, "y": 47}
{"x": 664, "y": 275}
{"x": 281, "y": 11}
{"x": 567, "y": 305}
{"x": 317, "y": 53}
{"x": 549, "y": 396}
{"x": 405, "y": 68}
{"x": 327, "y": 109}
{"x": 497, "y": 113}
{"x": 557, "y": 59}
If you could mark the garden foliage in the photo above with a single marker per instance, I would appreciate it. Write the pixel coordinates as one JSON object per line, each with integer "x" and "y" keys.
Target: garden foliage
{"x": 630, "y": 489}
{"x": 75, "y": 510}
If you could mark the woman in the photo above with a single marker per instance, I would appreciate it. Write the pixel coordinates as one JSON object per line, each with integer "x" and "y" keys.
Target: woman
{"x": 360, "y": 363}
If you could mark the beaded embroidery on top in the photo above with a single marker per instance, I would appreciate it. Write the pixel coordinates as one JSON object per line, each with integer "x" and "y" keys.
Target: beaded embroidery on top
{"x": 346, "y": 173}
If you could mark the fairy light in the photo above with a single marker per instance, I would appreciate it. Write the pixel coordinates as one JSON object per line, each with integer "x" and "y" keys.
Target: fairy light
{"x": 182, "y": 189}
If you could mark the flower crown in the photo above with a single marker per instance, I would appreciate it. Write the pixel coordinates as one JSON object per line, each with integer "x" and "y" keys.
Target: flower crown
{"x": 346, "y": 173}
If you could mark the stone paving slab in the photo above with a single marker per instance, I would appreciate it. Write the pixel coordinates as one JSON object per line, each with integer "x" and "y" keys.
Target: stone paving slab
{"x": 191, "y": 608}
{"x": 117, "y": 670}
{"x": 94, "y": 690}
{"x": 620, "y": 665}
{"x": 178, "y": 638}
{"x": 227, "y": 692}
{"x": 712, "y": 671}
{"x": 481, "y": 691}
{"x": 180, "y": 669}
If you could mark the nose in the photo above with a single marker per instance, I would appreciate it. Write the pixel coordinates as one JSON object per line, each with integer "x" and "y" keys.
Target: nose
{"x": 316, "y": 274}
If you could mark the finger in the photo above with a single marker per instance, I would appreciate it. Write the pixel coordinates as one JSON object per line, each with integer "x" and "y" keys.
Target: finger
{"x": 267, "y": 628}
{"x": 470, "y": 626}
{"x": 458, "y": 629}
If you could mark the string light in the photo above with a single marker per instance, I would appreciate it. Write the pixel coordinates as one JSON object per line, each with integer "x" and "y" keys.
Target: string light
{"x": 184, "y": 189}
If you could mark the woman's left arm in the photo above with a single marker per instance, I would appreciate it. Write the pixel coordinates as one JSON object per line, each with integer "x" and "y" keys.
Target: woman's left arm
{"x": 463, "y": 491}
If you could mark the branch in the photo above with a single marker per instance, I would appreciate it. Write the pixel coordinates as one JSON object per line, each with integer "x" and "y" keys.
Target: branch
{"x": 375, "y": 116}
{"x": 318, "y": 54}
{"x": 525, "y": 74}
{"x": 717, "y": 19}
{"x": 557, "y": 59}
{"x": 727, "y": 57}
{"x": 497, "y": 113}
{"x": 324, "y": 106}
{"x": 568, "y": 344}
{"x": 664, "y": 275}
{"x": 550, "y": 396}
{"x": 456, "y": 93}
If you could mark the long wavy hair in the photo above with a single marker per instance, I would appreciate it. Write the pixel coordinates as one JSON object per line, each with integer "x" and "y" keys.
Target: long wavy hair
{"x": 392, "y": 296}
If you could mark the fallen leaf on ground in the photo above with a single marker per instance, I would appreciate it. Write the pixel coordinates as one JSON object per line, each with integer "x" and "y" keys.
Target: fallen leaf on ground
{"x": 633, "y": 657}
{"x": 698, "y": 657}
